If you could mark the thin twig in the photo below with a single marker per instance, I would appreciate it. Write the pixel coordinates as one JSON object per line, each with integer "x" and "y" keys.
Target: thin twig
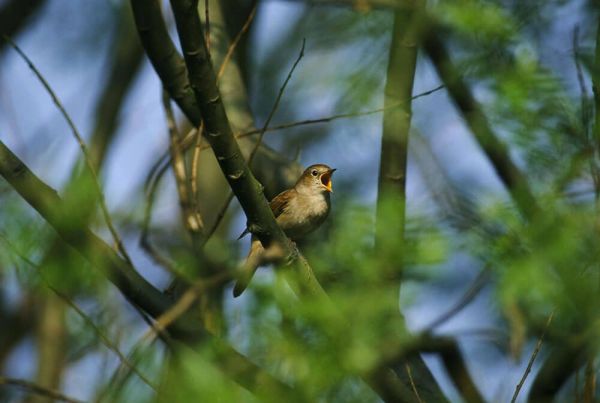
{"x": 105, "y": 340}
{"x": 192, "y": 221}
{"x": 145, "y": 233}
{"x": 235, "y": 42}
{"x": 158, "y": 327}
{"x": 188, "y": 140}
{"x": 412, "y": 383}
{"x": 115, "y": 383}
{"x": 183, "y": 304}
{"x": 261, "y": 135}
{"x": 193, "y": 184}
{"x": 471, "y": 292}
{"x": 38, "y": 389}
{"x": 538, "y": 346}
{"x": 86, "y": 155}
{"x": 336, "y": 117}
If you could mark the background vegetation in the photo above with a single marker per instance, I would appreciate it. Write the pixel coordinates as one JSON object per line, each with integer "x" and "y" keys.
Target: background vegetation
{"x": 460, "y": 262}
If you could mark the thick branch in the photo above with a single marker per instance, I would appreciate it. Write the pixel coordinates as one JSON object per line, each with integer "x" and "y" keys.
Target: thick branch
{"x": 219, "y": 134}
{"x": 396, "y": 126}
{"x": 169, "y": 66}
{"x": 391, "y": 199}
{"x": 46, "y": 201}
{"x": 457, "y": 369}
{"x": 496, "y": 151}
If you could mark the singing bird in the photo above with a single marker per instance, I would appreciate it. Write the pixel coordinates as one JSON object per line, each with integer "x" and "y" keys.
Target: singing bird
{"x": 298, "y": 211}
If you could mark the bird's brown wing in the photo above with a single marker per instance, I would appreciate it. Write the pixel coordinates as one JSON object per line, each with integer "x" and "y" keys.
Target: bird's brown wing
{"x": 280, "y": 202}
{"x": 278, "y": 206}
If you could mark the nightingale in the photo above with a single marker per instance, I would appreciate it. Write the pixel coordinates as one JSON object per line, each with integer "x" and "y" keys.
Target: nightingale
{"x": 298, "y": 211}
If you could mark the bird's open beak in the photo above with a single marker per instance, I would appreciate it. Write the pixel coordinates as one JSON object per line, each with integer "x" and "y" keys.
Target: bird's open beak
{"x": 326, "y": 179}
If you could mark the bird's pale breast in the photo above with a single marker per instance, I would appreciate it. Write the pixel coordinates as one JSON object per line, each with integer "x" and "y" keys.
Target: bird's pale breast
{"x": 304, "y": 214}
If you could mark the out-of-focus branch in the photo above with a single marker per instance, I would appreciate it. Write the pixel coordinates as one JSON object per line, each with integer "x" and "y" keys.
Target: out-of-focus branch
{"x": 51, "y": 339}
{"x": 126, "y": 58}
{"x": 15, "y": 14}
{"x": 48, "y": 204}
{"x": 236, "y": 41}
{"x": 105, "y": 339}
{"x": 396, "y": 125}
{"x": 457, "y": 370}
{"x": 391, "y": 199}
{"x": 514, "y": 180}
{"x": 37, "y": 389}
{"x": 596, "y": 126}
{"x": 19, "y": 319}
{"x": 472, "y": 291}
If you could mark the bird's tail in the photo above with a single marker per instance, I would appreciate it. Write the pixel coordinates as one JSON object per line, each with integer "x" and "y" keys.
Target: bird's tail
{"x": 246, "y": 272}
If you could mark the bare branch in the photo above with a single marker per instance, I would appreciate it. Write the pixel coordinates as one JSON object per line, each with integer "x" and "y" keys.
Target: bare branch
{"x": 235, "y": 42}
{"x": 191, "y": 219}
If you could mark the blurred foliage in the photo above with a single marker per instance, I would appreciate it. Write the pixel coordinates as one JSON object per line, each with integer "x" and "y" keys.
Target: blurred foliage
{"x": 548, "y": 263}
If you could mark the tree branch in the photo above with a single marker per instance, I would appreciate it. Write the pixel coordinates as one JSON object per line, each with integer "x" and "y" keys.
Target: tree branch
{"x": 49, "y": 205}
{"x": 127, "y": 56}
{"x": 219, "y": 134}
{"x": 37, "y": 389}
{"x": 167, "y": 63}
{"x": 391, "y": 199}
{"x": 496, "y": 151}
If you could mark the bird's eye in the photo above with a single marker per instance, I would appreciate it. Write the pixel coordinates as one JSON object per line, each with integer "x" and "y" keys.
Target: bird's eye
{"x": 314, "y": 172}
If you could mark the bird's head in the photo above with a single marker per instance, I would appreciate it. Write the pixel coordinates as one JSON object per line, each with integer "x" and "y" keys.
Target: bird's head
{"x": 316, "y": 177}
